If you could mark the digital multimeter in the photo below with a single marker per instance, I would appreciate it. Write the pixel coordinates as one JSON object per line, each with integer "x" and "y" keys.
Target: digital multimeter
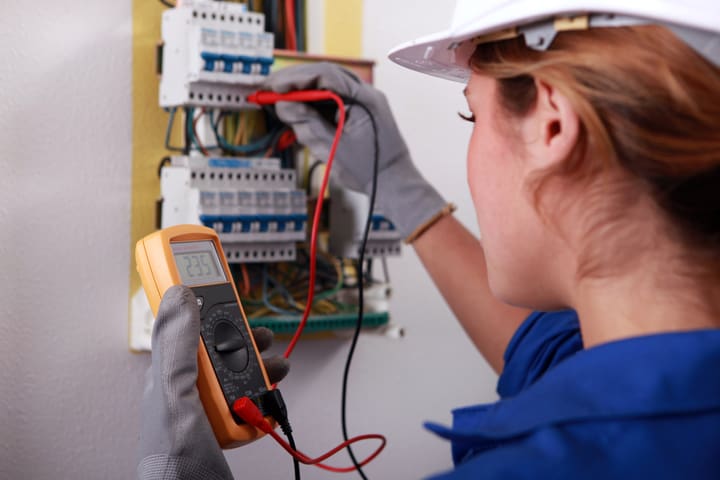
{"x": 229, "y": 366}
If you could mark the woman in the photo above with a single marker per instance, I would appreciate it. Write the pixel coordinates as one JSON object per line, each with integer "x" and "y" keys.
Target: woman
{"x": 594, "y": 167}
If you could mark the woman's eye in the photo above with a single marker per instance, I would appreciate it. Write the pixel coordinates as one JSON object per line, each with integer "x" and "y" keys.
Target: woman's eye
{"x": 468, "y": 118}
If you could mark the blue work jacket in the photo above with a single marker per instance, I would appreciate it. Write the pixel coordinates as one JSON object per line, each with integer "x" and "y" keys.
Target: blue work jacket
{"x": 642, "y": 408}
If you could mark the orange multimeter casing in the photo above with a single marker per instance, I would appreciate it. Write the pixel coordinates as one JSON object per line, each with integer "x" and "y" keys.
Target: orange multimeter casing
{"x": 229, "y": 366}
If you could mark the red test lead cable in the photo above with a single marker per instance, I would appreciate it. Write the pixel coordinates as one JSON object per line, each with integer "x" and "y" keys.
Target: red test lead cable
{"x": 305, "y": 96}
{"x": 250, "y": 414}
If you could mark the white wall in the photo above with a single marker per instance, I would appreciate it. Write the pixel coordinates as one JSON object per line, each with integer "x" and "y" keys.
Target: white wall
{"x": 69, "y": 389}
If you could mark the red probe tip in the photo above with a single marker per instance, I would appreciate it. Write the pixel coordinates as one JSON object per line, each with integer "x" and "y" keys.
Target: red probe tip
{"x": 263, "y": 97}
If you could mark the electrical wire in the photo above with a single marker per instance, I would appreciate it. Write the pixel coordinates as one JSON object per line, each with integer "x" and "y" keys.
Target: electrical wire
{"x": 296, "y": 462}
{"x": 246, "y": 280}
{"x": 290, "y": 26}
{"x": 241, "y": 128}
{"x": 300, "y": 15}
{"x": 259, "y": 145}
{"x": 386, "y": 271}
{"x": 197, "y": 137}
{"x": 266, "y": 298}
{"x": 168, "y": 132}
{"x": 250, "y": 414}
{"x": 311, "y": 171}
{"x": 361, "y": 305}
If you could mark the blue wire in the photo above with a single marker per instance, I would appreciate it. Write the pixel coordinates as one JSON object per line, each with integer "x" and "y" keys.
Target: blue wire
{"x": 284, "y": 292}
{"x": 266, "y": 299}
{"x": 171, "y": 121}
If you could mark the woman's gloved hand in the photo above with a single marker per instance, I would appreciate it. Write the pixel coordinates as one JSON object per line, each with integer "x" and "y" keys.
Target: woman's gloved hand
{"x": 402, "y": 193}
{"x": 177, "y": 441}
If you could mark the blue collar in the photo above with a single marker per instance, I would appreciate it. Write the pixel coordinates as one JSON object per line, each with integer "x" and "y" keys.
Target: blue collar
{"x": 664, "y": 374}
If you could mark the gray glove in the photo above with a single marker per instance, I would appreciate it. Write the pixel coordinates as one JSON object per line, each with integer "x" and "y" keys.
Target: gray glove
{"x": 402, "y": 193}
{"x": 177, "y": 441}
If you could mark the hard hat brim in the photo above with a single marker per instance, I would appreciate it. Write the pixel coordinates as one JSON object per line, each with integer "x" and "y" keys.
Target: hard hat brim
{"x": 434, "y": 55}
{"x": 445, "y": 54}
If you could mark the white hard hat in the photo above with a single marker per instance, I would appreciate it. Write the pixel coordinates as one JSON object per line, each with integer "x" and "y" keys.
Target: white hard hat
{"x": 445, "y": 54}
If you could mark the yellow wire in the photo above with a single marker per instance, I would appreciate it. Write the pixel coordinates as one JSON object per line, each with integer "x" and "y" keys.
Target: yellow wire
{"x": 306, "y": 167}
{"x": 238, "y": 140}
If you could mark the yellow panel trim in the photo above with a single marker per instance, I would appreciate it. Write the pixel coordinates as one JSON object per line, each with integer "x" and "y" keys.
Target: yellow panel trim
{"x": 343, "y": 27}
{"x": 148, "y": 128}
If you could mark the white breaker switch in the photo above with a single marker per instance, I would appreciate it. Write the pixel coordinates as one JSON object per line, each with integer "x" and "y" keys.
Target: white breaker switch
{"x": 252, "y": 203}
{"x": 213, "y": 54}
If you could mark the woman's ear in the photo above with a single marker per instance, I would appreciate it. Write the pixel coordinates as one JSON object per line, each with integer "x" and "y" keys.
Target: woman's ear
{"x": 552, "y": 128}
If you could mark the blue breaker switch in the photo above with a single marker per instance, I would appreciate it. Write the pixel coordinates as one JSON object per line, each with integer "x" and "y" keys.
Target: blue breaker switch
{"x": 210, "y": 59}
{"x": 228, "y": 62}
{"x": 265, "y": 64}
{"x": 247, "y": 63}
{"x": 299, "y": 222}
{"x": 377, "y": 221}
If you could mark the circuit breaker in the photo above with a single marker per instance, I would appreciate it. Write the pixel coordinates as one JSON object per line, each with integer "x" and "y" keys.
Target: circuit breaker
{"x": 213, "y": 53}
{"x": 252, "y": 203}
{"x": 348, "y": 215}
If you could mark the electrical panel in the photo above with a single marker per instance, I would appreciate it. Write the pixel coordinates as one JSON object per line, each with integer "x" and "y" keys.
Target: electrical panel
{"x": 348, "y": 215}
{"x": 239, "y": 171}
{"x": 252, "y": 203}
{"x": 213, "y": 53}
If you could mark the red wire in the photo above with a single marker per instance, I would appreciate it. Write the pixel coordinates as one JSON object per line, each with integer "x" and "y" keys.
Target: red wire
{"x": 267, "y": 98}
{"x": 290, "y": 34}
{"x": 246, "y": 280}
{"x": 318, "y": 461}
{"x": 316, "y": 224}
{"x": 249, "y": 412}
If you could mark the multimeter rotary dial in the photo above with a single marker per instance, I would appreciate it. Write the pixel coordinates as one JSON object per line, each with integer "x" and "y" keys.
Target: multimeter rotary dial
{"x": 231, "y": 346}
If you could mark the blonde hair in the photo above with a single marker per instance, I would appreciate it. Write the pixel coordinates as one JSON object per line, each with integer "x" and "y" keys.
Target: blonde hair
{"x": 649, "y": 106}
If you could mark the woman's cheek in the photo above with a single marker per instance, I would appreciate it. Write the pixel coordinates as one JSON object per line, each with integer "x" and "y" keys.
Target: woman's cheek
{"x": 483, "y": 181}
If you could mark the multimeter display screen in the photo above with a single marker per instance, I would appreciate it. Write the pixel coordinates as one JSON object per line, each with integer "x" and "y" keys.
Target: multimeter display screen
{"x": 198, "y": 263}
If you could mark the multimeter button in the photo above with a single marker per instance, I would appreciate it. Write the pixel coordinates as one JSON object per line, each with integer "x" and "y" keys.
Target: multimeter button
{"x": 231, "y": 346}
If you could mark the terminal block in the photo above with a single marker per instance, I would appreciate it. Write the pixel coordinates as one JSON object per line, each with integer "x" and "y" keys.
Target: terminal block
{"x": 252, "y": 203}
{"x": 348, "y": 214}
{"x": 213, "y": 54}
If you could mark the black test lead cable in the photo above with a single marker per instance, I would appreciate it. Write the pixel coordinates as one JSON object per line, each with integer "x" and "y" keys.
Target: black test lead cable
{"x": 296, "y": 462}
{"x": 361, "y": 304}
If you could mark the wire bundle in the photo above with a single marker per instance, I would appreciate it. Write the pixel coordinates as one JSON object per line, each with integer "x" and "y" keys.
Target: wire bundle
{"x": 287, "y": 19}
{"x": 281, "y": 288}
{"x": 264, "y": 136}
